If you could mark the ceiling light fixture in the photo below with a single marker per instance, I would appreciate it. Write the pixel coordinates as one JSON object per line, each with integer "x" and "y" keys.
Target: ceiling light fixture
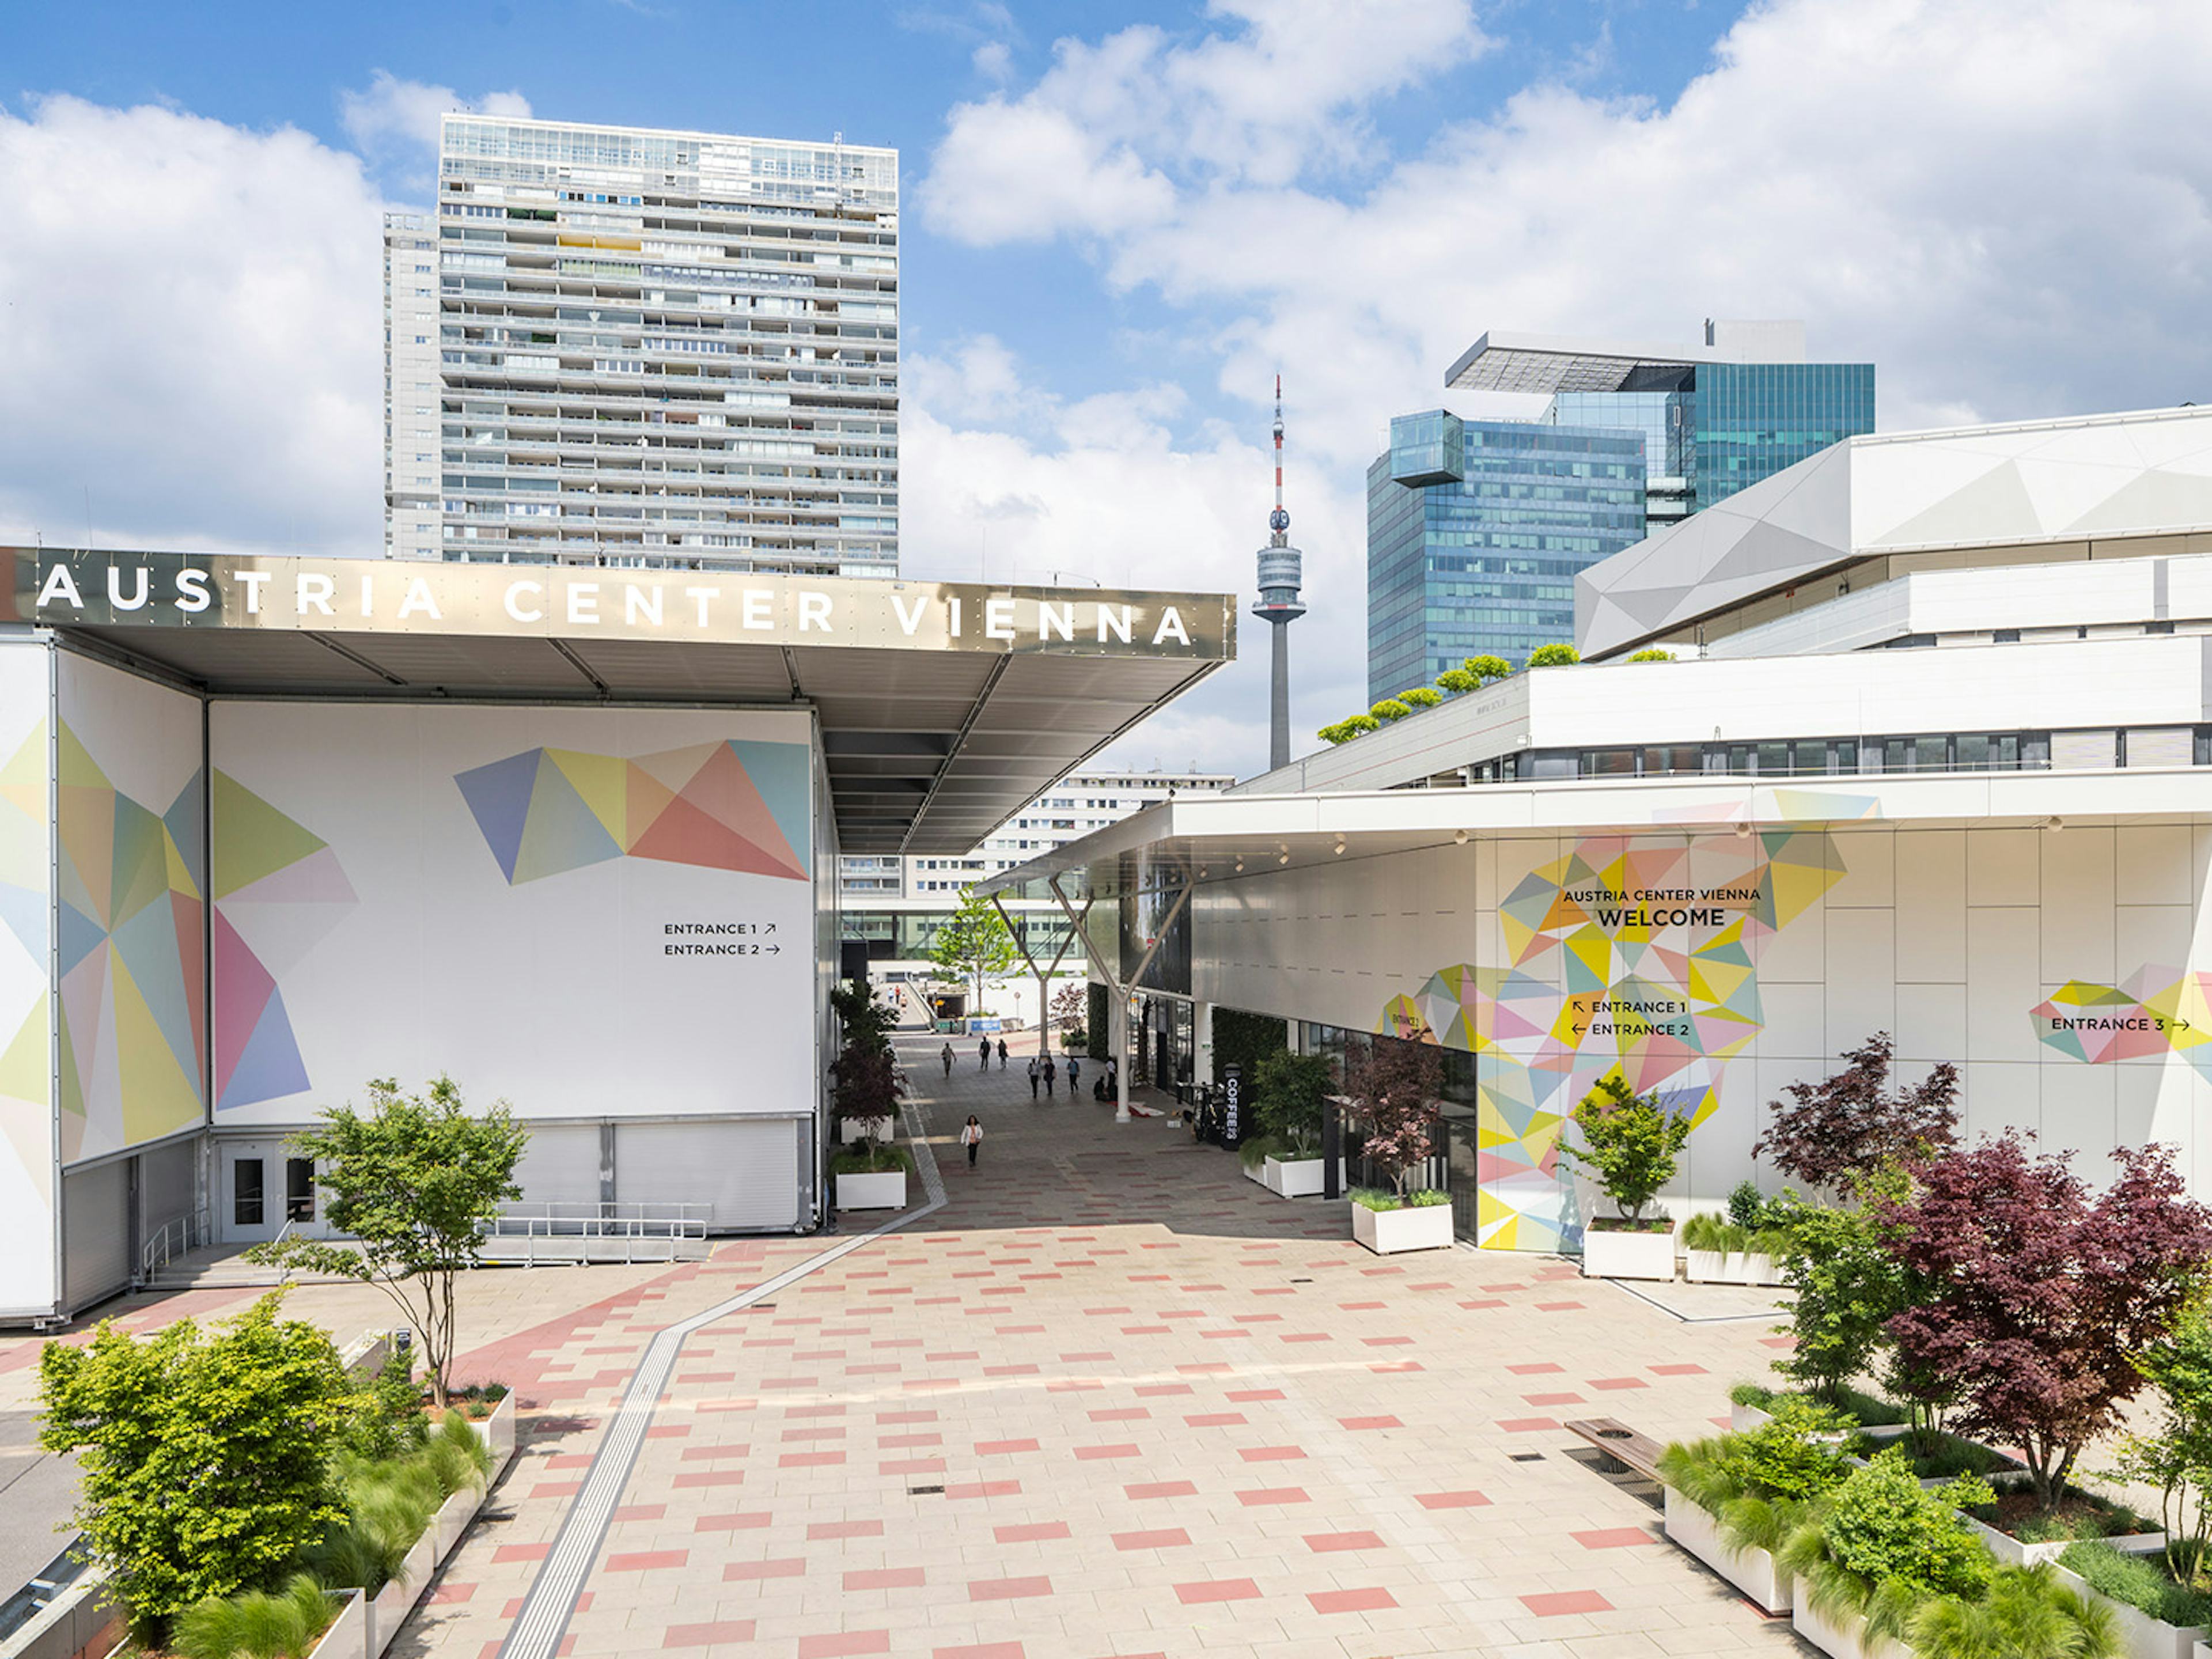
{"x": 1285, "y": 859}
{"x": 1240, "y": 867}
{"x": 2057, "y": 824}
{"x": 1743, "y": 832}
{"x": 1340, "y": 846}
{"x": 1460, "y": 837}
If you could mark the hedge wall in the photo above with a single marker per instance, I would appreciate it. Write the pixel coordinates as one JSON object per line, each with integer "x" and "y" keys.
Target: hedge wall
{"x": 1241, "y": 1038}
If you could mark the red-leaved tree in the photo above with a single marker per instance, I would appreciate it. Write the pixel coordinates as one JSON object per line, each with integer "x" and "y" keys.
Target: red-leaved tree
{"x": 1395, "y": 1086}
{"x": 1830, "y": 1133}
{"x": 2036, "y": 1293}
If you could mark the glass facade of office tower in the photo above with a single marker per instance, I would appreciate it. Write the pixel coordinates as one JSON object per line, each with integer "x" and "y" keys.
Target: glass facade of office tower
{"x": 1748, "y": 421}
{"x": 1475, "y": 530}
{"x": 611, "y": 345}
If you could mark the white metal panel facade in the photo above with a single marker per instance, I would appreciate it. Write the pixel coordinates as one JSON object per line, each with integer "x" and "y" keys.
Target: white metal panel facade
{"x": 95, "y": 1233}
{"x": 752, "y": 1172}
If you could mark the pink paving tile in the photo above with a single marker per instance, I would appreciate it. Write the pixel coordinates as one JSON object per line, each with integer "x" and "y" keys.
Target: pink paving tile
{"x": 1534, "y": 1370}
{"x": 1124, "y": 1414}
{"x": 642, "y": 1512}
{"x": 1245, "y": 1395}
{"x": 718, "y": 1477}
{"x": 1007, "y": 1590}
{"x": 1450, "y": 1500}
{"x": 708, "y": 1636}
{"x": 912, "y": 1466}
{"x": 1557, "y": 1603}
{"x": 1351, "y": 1600}
{"x": 1483, "y": 1302}
{"x": 1613, "y": 1537}
{"x": 1270, "y": 1454}
{"x": 1556, "y": 1307}
{"x": 1214, "y": 1419}
{"x": 1678, "y": 1371}
{"x": 845, "y": 1529}
{"x": 1002, "y": 1447}
{"x": 1161, "y": 1489}
{"x": 1552, "y": 1399}
{"x": 1094, "y": 1454}
{"x": 446, "y": 1594}
{"x": 871, "y": 1579}
{"x": 1615, "y": 1382}
{"x": 546, "y": 1489}
{"x": 729, "y": 1522}
{"x": 802, "y": 1460}
{"x": 1218, "y": 1589}
{"x": 698, "y": 1453}
{"x": 1033, "y": 1533}
{"x": 1274, "y": 1495}
{"x": 981, "y": 1650}
{"x": 1157, "y": 1538}
{"x": 841, "y": 1645}
{"x": 647, "y": 1560}
{"x": 522, "y": 1551}
{"x": 1329, "y": 1543}
{"x": 983, "y": 1489}
{"x": 1154, "y": 1390}
{"x": 1371, "y": 1422}
{"x": 748, "y": 1571}
{"x": 1526, "y": 1425}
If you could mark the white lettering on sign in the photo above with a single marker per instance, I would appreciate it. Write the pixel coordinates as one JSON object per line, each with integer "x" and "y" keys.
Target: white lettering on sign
{"x": 368, "y": 596}
{"x": 137, "y": 600}
{"x": 583, "y": 603}
{"x": 60, "y": 585}
{"x": 755, "y": 609}
{"x": 705, "y": 596}
{"x": 998, "y": 619}
{"x": 642, "y": 603}
{"x": 1055, "y": 619}
{"x": 313, "y": 594}
{"x": 419, "y": 597}
{"x": 1170, "y": 627}
{"x": 910, "y": 620}
{"x": 1115, "y": 617}
{"x": 814, "y": 611}
{"x": 512, "y": 599}
{"x": 192, "y": 593}
{"x": 253, "y": 581}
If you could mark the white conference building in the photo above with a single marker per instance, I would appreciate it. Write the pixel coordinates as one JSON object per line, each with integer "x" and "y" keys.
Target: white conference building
{"x": 1933, "y": 758}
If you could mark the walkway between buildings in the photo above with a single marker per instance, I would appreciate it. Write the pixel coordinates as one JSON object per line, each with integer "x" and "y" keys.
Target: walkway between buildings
{"x": 1112, "y": 1399}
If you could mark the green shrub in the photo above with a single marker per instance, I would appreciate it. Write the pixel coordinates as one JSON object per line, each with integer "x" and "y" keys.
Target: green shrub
{"x": 1554, "y": 656}
{"x": 1752, "y": 1394}
{"x": 1425, "y": 1198}
{"x": 1458, "y": 681}
{"x": 1376, "y": 1198}
{"x": 1882, "y": 1543}
{"x": 1359, "y": 726}
{"x": 256, "y": 1625}
{"x": 1255, "y": 1150}
{"x": 1389, "y": 709}
{"x": 1420, "y": 697}
{"x": 1652, "y": 654}
{"x": 2140, "y": 1581}
{"x": 1709, "y": 1232}
{"x": 1758, "y": 1485}
{"x": 1847, "y": 1286}
{"x": 2023, "y": 1612}
{"x": 872, "y": 1158}
{"x": 1288, "y": 1093}
{"x": 1487, "y": 668}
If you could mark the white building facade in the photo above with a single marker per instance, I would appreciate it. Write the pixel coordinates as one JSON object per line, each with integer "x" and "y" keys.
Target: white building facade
{"x": 615, "y": 345}
{"x": 1951, "y": 781}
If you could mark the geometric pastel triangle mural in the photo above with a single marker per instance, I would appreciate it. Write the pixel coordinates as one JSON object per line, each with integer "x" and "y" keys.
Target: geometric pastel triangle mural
{"x": 2156, "y": 1012}
{"x": 1623, "y": 957}
{"x": 278, "y": 892}
{"x": 133, "y": 993}
{"x": 733, "y": 805}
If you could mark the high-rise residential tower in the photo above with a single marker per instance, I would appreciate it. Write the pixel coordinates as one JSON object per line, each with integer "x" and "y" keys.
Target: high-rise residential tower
{"x": 1475, "y": 565}
{"x": 615, "y": 345}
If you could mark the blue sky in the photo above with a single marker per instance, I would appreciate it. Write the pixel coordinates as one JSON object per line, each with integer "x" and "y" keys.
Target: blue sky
{"x": 1118, "y": 222}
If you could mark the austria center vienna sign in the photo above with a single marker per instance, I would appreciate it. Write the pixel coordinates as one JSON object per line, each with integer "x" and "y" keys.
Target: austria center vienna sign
{"x": 342, "y": 595}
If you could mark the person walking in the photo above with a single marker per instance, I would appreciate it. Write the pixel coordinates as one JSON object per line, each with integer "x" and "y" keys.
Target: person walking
{"x": 1051, "y": 1072}
{"x": 1033, "y": 1077}
{"x": 947, "y": 1058}
{"x": 1002, "y": 1054}
{"x": 983, "y": 1054}
{"x": 971, "y": 1137}
{"x": 1074, "y": 1075}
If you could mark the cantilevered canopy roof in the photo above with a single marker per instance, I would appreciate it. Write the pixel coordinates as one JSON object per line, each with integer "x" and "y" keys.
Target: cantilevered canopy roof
{"x": 1544, "y": 364}
{"x": 944, "y": 707}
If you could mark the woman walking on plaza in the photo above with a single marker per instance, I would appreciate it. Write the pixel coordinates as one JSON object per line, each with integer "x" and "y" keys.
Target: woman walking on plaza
{"x": 971, "y": 1137}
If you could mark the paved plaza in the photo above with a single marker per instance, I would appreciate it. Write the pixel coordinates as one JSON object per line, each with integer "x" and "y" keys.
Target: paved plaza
{"x": 1111, "y": 1398}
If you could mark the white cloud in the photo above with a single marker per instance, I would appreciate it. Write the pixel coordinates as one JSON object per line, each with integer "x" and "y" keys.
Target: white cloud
{"x": 190, "y": 334}
{"x": 393, "y": 113}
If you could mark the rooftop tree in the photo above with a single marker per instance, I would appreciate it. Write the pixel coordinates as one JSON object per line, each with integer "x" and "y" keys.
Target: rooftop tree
{"x": 1487, "y": 668}
{"x": 2039, "y": 1296}
{"x": 1836, "y": 1133}
{"x": 1554, "y": 656}
{"x": 1420, "y": 697}
{"x": 1390, "y": 709}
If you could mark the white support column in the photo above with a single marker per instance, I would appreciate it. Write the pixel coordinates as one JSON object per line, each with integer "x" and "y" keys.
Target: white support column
{"x": 1119, "y": 1025}
{"x": 1201, "y": 1043}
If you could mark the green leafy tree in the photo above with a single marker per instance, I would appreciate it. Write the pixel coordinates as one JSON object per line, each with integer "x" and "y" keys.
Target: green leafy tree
{"x": 1288, "y": 1090}
{"x": 1631, "y": 1143}
{"x": 1554, "y": 656}
{"x": 203, "y": 1461}
{"x": 1359, "y": 726}
{"x": 1389, "y": 709}
{"x": 416, "y": 1184}
{"x": 2176, "y": 1456}
{"x": 1334, "y": 734}
{"x": 1458, "y": 681}
{"x": 1654, "y": 654}
{"x": 974, "y": 944}
{"x": 1487, "y": 668}
{"x": 1420, "y": 697}
{"x": 1848, "y": 1284}
{"x": 866, "y": 1021}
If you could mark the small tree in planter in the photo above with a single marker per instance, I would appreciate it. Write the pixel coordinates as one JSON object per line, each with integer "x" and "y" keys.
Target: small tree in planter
{"x": 1848, "y": 1285}
{"x": 1631, "y": 1146}
{"x": 2039, "y": 1295}
{"x": 1833, "y": 1134}
{"x": 2176, "y": 1456}
{"x": 1069, "y": 1005}
{"x": 868, "y": 1093}
{"x": 1288, "y": 1094}
{"x": 1393, "y": 1087}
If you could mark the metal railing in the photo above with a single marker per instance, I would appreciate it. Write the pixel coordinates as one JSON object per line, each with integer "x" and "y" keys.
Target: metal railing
{"x": 565, "y": 1232}
{"x": 176, "y": 1237}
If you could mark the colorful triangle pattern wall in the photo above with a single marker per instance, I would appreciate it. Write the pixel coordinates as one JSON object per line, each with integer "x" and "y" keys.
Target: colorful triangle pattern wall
{"x": 734, "y": 805}
{"x": 279, "y": 890}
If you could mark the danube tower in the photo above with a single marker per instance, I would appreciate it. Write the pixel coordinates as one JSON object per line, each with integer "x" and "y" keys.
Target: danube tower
{"x": 1279, "y": 576}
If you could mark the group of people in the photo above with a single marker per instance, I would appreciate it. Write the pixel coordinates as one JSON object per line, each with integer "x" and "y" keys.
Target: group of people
{"x": 1049, "y": 1073}
{"x": 1044, "y": 1069}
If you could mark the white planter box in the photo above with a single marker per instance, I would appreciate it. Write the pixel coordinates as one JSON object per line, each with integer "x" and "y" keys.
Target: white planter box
{"x": 1302, "y": 1177}
{"x": 2010, "y": 1550}
{"x": 1753, "y": 1571}
{"x": 1386, "y": 1232}
{"x": 1258, "y": 1173}
{"x": 1747, "y": 1416}
{"x": 2141, "y": 1637}
{"x": 1728, "y": 1267}
{"x": 1843, "y": 1641}
{"x": 1608, "y": 1255}
{"x": 884, "y": 1191}
{"x": 348, "y": 1636}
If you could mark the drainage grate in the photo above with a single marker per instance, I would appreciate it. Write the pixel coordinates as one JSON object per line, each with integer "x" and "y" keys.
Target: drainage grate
{"x": 918, "y": 1491}
{"x": 1301, "y": 1281}
{"x": 1525, "y": 1457}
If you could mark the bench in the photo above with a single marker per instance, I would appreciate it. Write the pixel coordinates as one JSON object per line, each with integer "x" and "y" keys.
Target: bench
{"x": 1638, "y": 1453}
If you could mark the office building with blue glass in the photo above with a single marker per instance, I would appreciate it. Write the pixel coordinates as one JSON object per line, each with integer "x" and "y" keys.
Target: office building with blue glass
{"x": 1485, "y": 562}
